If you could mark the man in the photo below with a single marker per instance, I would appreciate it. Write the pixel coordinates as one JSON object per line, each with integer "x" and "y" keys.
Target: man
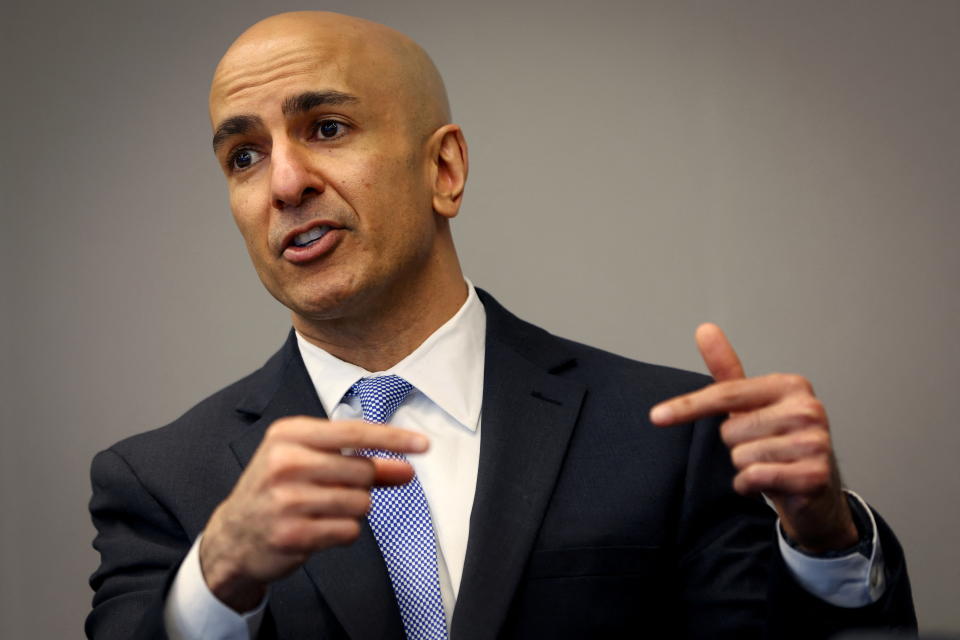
{"x": 539, "y": 499}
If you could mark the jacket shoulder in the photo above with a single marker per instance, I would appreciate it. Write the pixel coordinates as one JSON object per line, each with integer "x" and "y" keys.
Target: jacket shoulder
{"x": 200, "y": 436}
{"x": 579, "y": 361}
{"x": 212, "y": 419}
{"x": 185, "y": 467}
{"x": 603, "y": 366}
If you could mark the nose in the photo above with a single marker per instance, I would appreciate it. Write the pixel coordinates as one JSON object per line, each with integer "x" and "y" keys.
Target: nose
{"x": 293, "y": 179}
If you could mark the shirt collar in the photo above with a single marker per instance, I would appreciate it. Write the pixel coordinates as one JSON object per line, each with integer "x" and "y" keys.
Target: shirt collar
{"x": 447, "y": 367}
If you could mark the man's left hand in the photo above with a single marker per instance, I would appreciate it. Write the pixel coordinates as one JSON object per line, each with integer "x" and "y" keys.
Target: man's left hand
{"x": 779, "y": 439}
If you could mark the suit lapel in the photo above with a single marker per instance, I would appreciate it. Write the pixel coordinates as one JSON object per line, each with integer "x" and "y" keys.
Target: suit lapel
{"x": 352, "y": 579}
{"x": 528, "y": 417}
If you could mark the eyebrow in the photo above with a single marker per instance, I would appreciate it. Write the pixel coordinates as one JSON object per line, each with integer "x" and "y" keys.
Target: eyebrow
{"x": 294, "y": 105}
{"x": 235, "y": 126}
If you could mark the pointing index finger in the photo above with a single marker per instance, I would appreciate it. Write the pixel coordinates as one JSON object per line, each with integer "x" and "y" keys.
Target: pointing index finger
{"x": 718, "y": 353}
{"x": 724, "y": 366}
{"x": 336, "y": 435}
{"x": 730, "y": 396}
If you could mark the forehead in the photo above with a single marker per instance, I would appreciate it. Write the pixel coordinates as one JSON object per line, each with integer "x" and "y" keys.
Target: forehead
{"x": 257, "y": 76}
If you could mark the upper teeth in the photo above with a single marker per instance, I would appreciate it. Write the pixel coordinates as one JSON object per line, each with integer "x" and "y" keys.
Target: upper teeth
{"x": 307, "y": 237}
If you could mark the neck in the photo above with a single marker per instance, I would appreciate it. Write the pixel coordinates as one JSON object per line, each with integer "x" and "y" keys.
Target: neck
{"x": 392, "y": 327}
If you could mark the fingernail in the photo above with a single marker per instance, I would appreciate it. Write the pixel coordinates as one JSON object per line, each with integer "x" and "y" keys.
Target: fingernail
{"x": 419, "y": 443}
{"x": 661, "y": 414}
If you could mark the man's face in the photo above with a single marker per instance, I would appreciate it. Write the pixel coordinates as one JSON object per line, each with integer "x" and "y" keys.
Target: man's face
{"x": 327, "y": 171}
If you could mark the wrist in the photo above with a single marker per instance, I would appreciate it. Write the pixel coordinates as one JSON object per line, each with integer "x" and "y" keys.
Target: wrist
{"x": 225, "y": 579}
{"x": 855, "y": 538}
{"x": 840, "y": 541}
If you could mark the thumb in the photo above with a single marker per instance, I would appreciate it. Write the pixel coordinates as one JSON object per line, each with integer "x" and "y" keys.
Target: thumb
{"x": 718, "y": 353}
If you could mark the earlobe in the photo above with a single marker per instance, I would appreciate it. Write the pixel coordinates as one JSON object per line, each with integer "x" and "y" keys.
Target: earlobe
{"x": 451, "y": 162}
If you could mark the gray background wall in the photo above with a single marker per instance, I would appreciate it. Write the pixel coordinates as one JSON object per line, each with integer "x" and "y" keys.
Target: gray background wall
{"x": 787, "y": 169}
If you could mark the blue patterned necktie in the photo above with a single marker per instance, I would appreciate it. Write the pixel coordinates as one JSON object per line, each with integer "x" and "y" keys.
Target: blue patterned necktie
{"x": 401, "y": 523}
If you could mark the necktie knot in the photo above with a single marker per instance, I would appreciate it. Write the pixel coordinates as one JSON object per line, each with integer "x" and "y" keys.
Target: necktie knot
{"x": 380, "y": 397}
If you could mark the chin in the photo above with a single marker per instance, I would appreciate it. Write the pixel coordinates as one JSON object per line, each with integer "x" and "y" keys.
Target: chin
{"x": 321, "y": 302}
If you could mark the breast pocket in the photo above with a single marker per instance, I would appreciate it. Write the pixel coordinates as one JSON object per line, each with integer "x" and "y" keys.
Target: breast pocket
{"x": 609, "y": 592}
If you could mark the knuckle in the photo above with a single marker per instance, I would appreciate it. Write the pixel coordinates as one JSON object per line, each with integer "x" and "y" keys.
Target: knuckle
{"x": 791, "y": 382}
{"x": 275, "y": 429}
{"x": 733, "y": 429}
{"x": 749, "y": 475}
{"x": 368, "y": 472}
{"x": 349, "y": 531}
{"x": 286, "y": 536}
{"x": 276, "y": 460}
{"x": 781, "y": 380}
{"x": 334, "y": 501}
{"x": 816, "y": 442}
{"x": 769, "y": 453}
{"x": 359, "y": 502}
{"x": 750, "y": 480}
{"x": 351, "y": 502}
{"x": 799, "y": 383}
{"x": 286, "y": 499}
{"x": 811, "y": 411}
{"x": 728, "y": 432}
{"x": 727, "y": 394}
{"x": 752, "y": 474}
{"x": 342, "y": 531}
{"x": 776, "y": 477}
{"x": 280, "y": 428}
{"x": 816, "y": 478}
{"x": 279, "y": 494}
{"x": 740, "y": 456}
{"x": 357, "y": 471}
{"x": 740, "y": 483}
{"x": 322, "y": 465}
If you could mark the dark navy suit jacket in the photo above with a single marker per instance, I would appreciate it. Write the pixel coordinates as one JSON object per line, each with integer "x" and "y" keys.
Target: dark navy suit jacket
{"x": 588, "y": 522}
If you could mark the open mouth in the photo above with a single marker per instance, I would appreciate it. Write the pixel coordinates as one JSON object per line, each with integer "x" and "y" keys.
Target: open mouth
{"x": 310, "y": 236}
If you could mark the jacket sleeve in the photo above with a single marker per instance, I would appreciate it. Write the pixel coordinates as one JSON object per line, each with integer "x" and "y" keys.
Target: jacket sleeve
{"x": 141, "y": 546}
{"x": 734, "y": 581}
{"x": 796, "y": 613}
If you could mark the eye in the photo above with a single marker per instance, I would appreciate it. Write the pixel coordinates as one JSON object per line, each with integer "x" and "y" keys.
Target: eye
{"x": 330, "y": 129}
{"x": 242, "y": 159}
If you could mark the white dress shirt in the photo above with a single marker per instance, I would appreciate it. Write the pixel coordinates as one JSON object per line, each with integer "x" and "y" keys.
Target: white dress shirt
{"x": 447, "y": 374}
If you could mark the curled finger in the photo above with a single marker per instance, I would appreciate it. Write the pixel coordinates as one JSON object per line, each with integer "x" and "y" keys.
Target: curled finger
{"x": 775, "y": 419}
{"x": 784, "y": 448}
{"x": 809, "y": 476}
{"x": 321, "y": 501}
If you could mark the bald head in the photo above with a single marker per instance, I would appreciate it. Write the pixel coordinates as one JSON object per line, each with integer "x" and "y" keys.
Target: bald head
{"x": 374, "y": 56}
{"x": 343, "y": 170}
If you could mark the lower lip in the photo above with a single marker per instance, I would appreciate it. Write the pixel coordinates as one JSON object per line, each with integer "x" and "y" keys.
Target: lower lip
{"x": 320, "y": 248}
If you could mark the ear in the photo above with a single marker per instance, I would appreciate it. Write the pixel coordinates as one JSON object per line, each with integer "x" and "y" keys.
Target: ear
{"x": 451, "y": 164}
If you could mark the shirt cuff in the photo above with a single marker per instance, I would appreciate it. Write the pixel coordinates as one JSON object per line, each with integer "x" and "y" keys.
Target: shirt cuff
{"x": 852, "y": 580}
{"x": 192, "y": 612}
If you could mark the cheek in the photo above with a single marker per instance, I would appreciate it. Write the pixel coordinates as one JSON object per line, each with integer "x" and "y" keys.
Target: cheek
{"x": 247, "y": 214}
{"x": 389, "y": 181}
{"x": 362, "y": 177}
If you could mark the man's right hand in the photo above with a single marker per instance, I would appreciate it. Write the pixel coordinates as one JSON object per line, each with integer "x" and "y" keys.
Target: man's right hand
{"x": 299, "y": 494}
